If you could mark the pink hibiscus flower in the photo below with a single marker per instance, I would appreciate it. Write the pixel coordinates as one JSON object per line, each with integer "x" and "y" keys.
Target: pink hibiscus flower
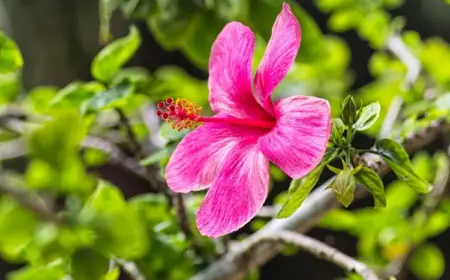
{"x": 230, "y": 152}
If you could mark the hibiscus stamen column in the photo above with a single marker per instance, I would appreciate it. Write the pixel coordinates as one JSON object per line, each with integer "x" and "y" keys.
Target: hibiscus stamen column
{"x": 183, "y": 114}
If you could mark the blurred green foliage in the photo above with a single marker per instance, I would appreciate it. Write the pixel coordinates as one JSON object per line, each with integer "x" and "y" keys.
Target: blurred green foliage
{"x": 96, "y": 228}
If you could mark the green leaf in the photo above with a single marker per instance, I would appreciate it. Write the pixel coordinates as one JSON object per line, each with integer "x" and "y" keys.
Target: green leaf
{"x": 337, "y": 131}
{"x": 344, "y": 187}
{"x": 156, "y": 156}
{"x": 113, "y": 97}
{"x": 348, "y": 111}
{"x": 345, "y": 19}
{"x": 398, "y": 160}
{"x": 74, "y": 94}
{"x": 339, "y": 220}
{"x": 39, "y": 99}
{"x": 17, "y": 227}
{"x": 298, "y": 191}
{"x": 106, "y": 9}
{"x": 57, "y": 135}
{"x": 197, "y": 46}
{"x": 53, "y": 272}
{"x": 10, "y": 57}
{"x": 427, "y": 262}
{"x": 139, "y": 77}
{"x": 232, "y": 9}
{"x": 172, "y": 134}
{"x": 173, "y": 22}
{"x": 367, "y": 116}
{"x": 167, "y": 81}
{"x": 262, "y": 15}
{"x": 10, "y": 85}
{"x": 112, "y": 57}
{"x": 87, "y": 264}
{"x": 119, "y": 228}
{"x": 373, "y": 182}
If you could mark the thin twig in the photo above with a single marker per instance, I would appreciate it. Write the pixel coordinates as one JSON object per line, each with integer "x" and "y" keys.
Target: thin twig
{"x": 29, "y": 200}
{"x": 131, "y": 269}
{"x": 320, "y": 250}
{"x": 391, "y": 117}
{"x": 182, "y": 215}
{"x": 396, "y": 45}
{"x": 135, "y": 145}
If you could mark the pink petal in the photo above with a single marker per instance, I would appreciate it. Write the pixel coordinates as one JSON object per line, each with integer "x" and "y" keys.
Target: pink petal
{"x": 237, "y": 193}
{"x": 230, "y": 72}
{"x": 299, "y": 139}
{"x": 278, "y": 57}
{"x": 198, "y": 157}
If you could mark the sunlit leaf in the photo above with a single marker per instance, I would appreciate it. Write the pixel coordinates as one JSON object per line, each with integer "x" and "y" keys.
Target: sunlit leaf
{"x": 119, "y": 228}
{"x": 38, "y": 273}
{"x": 343, "y": 187}
{"x": 427, "y": 262}
{"x": 339, "y": 220}
{"x": 300, "y": 189}
{"x": 112, "y": 57}
{"x": 10, "y": 57}
{"x": 367, "y": 116}
{"x": 17, "y": 226}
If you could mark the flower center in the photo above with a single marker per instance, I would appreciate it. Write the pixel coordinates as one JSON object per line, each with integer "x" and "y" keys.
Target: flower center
{"x": 182, "y": 114}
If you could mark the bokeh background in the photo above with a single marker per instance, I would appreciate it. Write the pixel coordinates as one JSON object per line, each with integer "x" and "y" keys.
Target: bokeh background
{"x": 60, "y": 38}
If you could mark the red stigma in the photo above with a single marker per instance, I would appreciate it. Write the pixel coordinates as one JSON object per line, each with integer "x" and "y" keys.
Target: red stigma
{"x": 180, "y": 113}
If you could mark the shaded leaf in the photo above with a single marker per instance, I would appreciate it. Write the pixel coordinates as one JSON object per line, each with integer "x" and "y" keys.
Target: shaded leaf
{"x": 372, "y": 181}
{"x": 197, "y": 46}
{"x": 337, "y": 131}
{"x": 173, "y": 22}
{"x": 112, "y": 97}
{"x": 348, "y": 111}
{"x": 398, "y": 160}
{"x": 106, "y": 9}
{"x": 87, "y": 264}
{"x": 262, "y": 15}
